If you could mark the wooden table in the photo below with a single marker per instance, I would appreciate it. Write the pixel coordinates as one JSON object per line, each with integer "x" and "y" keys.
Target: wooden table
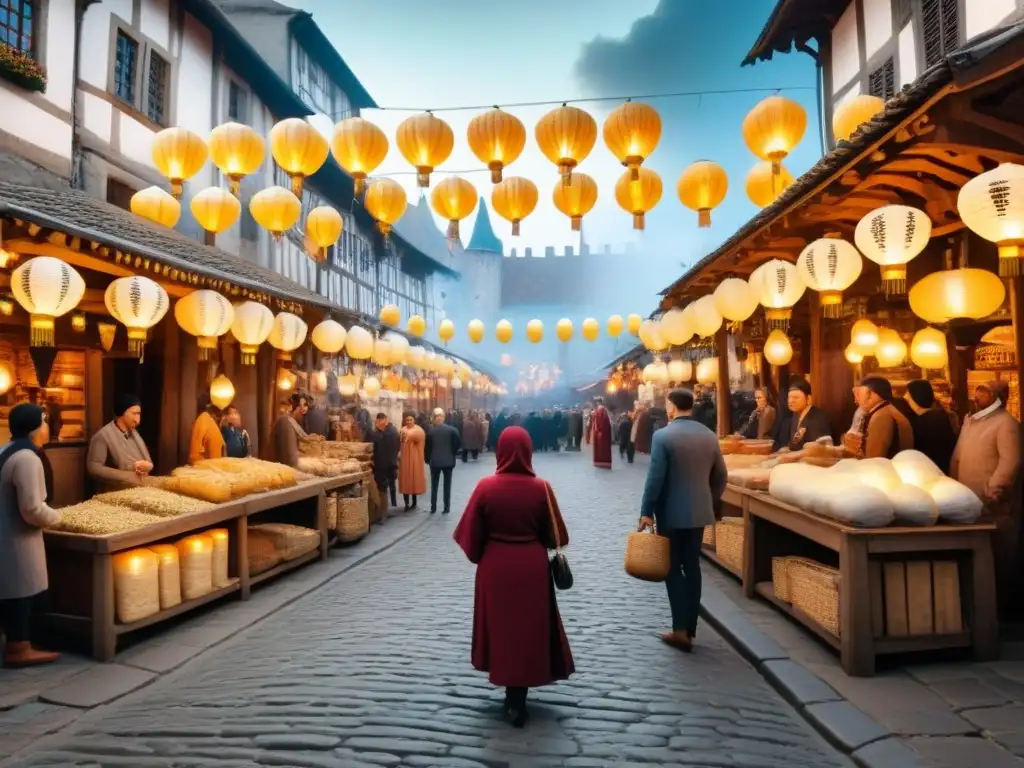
{"x": 81, "y": 570}
{"x": 773, "y": 529}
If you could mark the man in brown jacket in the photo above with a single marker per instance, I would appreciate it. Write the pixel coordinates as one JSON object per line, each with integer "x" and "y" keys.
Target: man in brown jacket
{"x": 886, "y": 431}
{"x": 288, "y": 430}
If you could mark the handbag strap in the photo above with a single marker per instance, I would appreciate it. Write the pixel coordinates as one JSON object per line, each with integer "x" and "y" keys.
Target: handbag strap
{"x": 551, "y": 515}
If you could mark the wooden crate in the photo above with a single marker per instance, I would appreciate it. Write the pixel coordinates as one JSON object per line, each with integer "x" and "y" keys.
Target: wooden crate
{"x": 914, "y": 598}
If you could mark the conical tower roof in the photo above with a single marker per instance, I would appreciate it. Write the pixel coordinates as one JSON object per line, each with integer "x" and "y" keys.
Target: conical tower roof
{"x": 483, "y": 238}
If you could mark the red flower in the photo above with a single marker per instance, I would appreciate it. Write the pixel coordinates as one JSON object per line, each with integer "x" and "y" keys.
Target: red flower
{"x": 20, "y": 63}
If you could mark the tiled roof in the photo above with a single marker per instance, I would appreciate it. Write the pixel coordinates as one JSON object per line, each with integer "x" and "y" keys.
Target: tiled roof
{"x": 483, "y": 238}
{"x": 418, "y": 228}
{"x": 794, "y": 23}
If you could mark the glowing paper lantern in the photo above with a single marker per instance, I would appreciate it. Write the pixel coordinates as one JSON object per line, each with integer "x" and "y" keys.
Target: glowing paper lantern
{"x": 891, "y": 236}
{"x": 632, "y": 132}
{"x": 928, "y": 349}
{"x": 417, "y": 356}
{"x": 156, "y": 205}
{"x": 425, "y": 142}
{"x": 138, "y": 303}
{"x": 416, "y": 325}
{"x": 497, "y": 139}
{"x": 251, "y": 327}
{"x": 237, "y": 151}
{"x": 347, "y": 385}
{"x": 853, "y": 112}
{"x": 446, "y": 330}
{"x": 222, "y": 391}
{"x": 566, "y": 135}
{"x": 680, "y": 371}
{"x": 371, "y": 386}
{"x": 382, "y": 353}
{"x": 390, "y": 315}
{"x": 359, "y": 147}
{"x": 399, "y": 348}
{"x": 702, "y": 186}
{"x": 207, "y": 315}
{"x": 386, "y": 202}
{"x": 773, "y": 128}
{"x": 534, "y": 331}
{"x": 735, "y": 300}
{"x": 6, "y": 380}
{"x": 640, "y": 195}
{"x": 215, "y": 209}
{"x": 765, "y": 186}
{"x": 853, "y": 355}
{"x": 992, "y": 206}
{"x": 46, "y": 288}
{"x": 514, "y": 199}
{"x": 179, "y": 155}
{"x": 475, "y": 330}
{"x": 829, "y": 265}
{"x": 563, "y": 329}
{"x": 777, "y": 348}
{"x": 575, "y": 199}
{"x": 275, "y": 209}
{"x": 778, "y": 288}
{"x": 503, "y": 331}
{"x": 633, "y": 323}
{"x": 705, "y": 316}
{"x": 591, "y": 329}
{"x": 286, "y": 380}
{"x": 707, "y": 371}
{"x": 329, "y": 336}
{"x": 864, "y": 336}
{"x": 359, "y": 343}
{"x": 287, "y": 334}
{"x": 453, "y": 199}
{"x": 614, "y": 326}
{"x": 323, "y": 228}
{"x": 954, "y": 294}
{"x": 650, "y": 336}
{"x": 299, "y": 149}
{"x": 675, "y": 327}
{"x": 891, "y": 350}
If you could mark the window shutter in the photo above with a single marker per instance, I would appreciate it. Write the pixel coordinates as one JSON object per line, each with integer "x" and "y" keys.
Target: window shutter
{"x": 882, "y": 82}
{"x": 950, "y": 26}
{"x": 940, "y": 29}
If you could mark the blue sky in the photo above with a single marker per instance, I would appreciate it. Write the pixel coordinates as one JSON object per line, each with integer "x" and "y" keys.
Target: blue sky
{"x": 412, "y": 53}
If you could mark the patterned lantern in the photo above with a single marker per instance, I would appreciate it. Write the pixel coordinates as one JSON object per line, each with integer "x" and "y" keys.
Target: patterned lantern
{"x": 323, "y": 228}
{"x": 705, "y": 316}
{"x": 563, "y": 329}
{"x": 359, "y": 343}
{"x": 764, "y": 186}
{"x": 632, "y": 132}
{"x": 566, "y": 135}
{"x": 702, "y": 186}
{"x": 207, "y": 315}
{"x": 955, "y": 294}
{"x": 299, "y": 149}
{"x": 475, "y": 331}
{"x": 329, "y": 336}
{"x": 735, "y": 300}
{"x": 416, "y": 325}
{"x": 778, "y": 287}
{"x": 287, "y": 334}
{"x": 275, "y": 209}
{"x": 385, "y": 200}
{"x": 773, "y": 128}
{"x": 251, "y": 327}
{"x": 928, "y": 349}
{"x": 497, "y": 139}
{"x": 503, "y": 331}
{"x": 222, "y": 391}
{"x": 237, "y": 151}
{"x": 829, "y": 265}
{"x": 514, "y": 199}
{"x": 591, "y": 329}
{"x": 777, "y": 348}
{"x": 156, "y": 205}
{"x": 359, "y": 147}
{"x": 638, "y": 196}
{"x": 534, "y": 331}
{"x": 446, "y": 331}
{"x": 633, "y": 323}
{"x": 675, "y": 327}
{"x": 864, "y": 336}
{"x": 425, "y": 142}
{"x": 179, "y": 155}
{"x": 390, "y": 315}
{"x": 138, "y": 303}
{"x": 46, "y": 288}
{"x": 853, "y": 112}
{"x": 891, "y": 350}
{"x": 614, "y": 326}
{"x": 575, "y": 199}
{"x": 891, "y": 236}
{"x": 215, "y": 210}
{"x": 992, "y": 206}
{"x": 453, "y": 199}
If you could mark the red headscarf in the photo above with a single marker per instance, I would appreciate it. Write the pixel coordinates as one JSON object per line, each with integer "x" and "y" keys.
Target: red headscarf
{"x": 515, "y": 452}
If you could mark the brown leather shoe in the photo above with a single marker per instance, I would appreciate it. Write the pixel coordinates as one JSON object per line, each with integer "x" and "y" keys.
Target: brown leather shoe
{"x": 680, "y": 640}
{"x": 18, "y": 655}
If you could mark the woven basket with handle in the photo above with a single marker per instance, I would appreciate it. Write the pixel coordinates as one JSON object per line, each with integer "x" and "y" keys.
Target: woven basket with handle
{"x": 648, "y": 555}
{"x": 814, "y": 589}
{"x": 729, "y": 541}
{"x": 353, "y": 518}
{"x": 263, "y": 554}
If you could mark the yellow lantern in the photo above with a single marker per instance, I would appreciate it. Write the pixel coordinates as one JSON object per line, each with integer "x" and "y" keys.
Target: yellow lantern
{"x": 638, "y": 196}
{"x": 954, "y": 294}
{"x": 563, "y": 329}
{"x": 497, "y": 139}
{"x": 591, "y": 329}
{"x": 329, "y": 336}
{"x": 764, "y": 186}
{"x": 773, "y": 128}
{"x": 707, "y": 371}
{"x": 359, "y": 147}
{"x": 207, "y": 315}
{"x": 425, "y": 142}
{"x": 446, "y": 330}
{"x": 399, "y": 348}
{"x": 891, "y": 350}
{"x": 138, "y": 303}
{"x": 675, "y": 327}
{"x": 475, "y": 331}
{"x": 359, "y": 343}
{"x": 156, "y": 205}
{"x": 990, "y": 206}
{"x": 215, "y": 209}
{"x": 237, "y": 151}
{"x": 777, "y": 348}
{"x": 275, "y": 209}
{"x": 385, "y": 200}
{"x": 251, "y": 327}
{"x": 680, "y": 371}
{"x": 576, "y": 199}
{"x": 614, "y": 325}
{"x": 416, "y": 325}
{"x": 853, "y": 355}
{"x": 47, "y": 288}
{"x": 323, "y": 228}
{"x": 829, "y": 265}
{"x": 891, "y": 236}
{"x": 566, "y": 135}
{"x": 632, "y": 132}
{"x": 382, "y": 353}
{"x": 287, "y": 334}
{"x": 390, "y": 315}
{"x": 705, "y": 316}
{"x": 514, "y": 199}
{"x": 735, "y": 300}
{"x": 650, "y": 336}
{"x": 222, "y": 392}
{"x": 853, "y": 112}
{"x": 299, "y": 149}
{"x": 535, "y": 331}
{"x": 453, "y": 199}
{"x": 778, "y": 287}
{"x": 371, "y": 386}
{"x": 633, "y": 323}
{"x": 503, "y": 331}
{"x": 179, "y": 155}
{"x": 6, "y": 380}
{"x": 864, "y": 336}
{"x": 701, "y": 187}
{"x": 286, "y": 380}
{"x": 928, "y": 349}
{"x": 347, "y": 385}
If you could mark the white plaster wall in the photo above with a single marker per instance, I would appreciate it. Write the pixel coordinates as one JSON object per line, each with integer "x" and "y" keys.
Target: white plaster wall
{"x": 845, "y": 49}
{"x": 95, "y": 55}
{"x": 907, "y": 56}
{"x": 136, "y": 139}
{"x": 877, "y": 25}
{"x": 156, "y": 22}
{"x": 95, "y": 115}
{"x": 983, "y": 15}
{"x": 60, "y": 32}
{"x": 24, "y": 120}
{"x": 195, "y": 88}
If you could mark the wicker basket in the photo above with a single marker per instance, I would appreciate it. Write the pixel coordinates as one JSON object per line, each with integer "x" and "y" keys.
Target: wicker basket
{"x": 220, "y": 556}
{"x": 312, "y": 447}
{"x": 353, "y": 519}
{"x": 170, "y": 575}
{"x": 263, "y": 555}
{"x": 332, "y": 512}
{"x": 195, "y": 554}
{"x": 814, "y": 589}
{"x": 290, "y": 541}
{"x": 136, "y": 585}
{"x": 729, "y": 541}
{"x": 648, "y": 556}
{"x": 780, "y": 578}
{"x": 708, "y": 539}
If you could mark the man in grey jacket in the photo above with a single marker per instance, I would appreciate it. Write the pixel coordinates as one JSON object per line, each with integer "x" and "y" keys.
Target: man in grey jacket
{"x": 685, "y": 481}
{"x": 443, "y": 445}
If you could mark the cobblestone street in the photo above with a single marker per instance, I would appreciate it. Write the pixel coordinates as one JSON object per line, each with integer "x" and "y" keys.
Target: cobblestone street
{"x": 373, "y": 669}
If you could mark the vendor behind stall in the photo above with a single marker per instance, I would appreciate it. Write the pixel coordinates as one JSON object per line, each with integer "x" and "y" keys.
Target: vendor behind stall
{"x": 886, "y": 430}
{"x": 934, "y": 435}
{"x": 236, "y": 440}
{"x": 762, "y": 419}
{"x": 806, "y": 423}
{"x": 288, "y": 430}
{"x": 207, "y": 441}
{"x": 118, "y": 458}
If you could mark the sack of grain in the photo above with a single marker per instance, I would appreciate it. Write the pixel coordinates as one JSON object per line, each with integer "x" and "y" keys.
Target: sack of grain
{"x": 154, "y": 501}
{"x": 195, "y": 555}
{"x": 136, "y": 585}
{"x": 170, "y": 575}
{"x": 95, "y": 518}
{"x": 291, "y": 541}
{"x": 220, "y": 556}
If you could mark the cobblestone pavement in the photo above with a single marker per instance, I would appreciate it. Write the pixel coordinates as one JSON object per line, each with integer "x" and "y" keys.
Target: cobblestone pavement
{"x": 373, "y": 669}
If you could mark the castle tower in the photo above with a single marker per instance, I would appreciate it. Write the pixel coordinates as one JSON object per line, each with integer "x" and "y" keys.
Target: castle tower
{"x": 480, "y": 267}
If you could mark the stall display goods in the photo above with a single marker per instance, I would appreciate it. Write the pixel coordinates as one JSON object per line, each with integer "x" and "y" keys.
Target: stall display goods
{"x": 96, "y": 518}
{"x": 154, "y": 501}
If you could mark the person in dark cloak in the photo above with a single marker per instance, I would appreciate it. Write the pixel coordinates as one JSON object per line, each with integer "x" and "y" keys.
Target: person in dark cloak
{"x": 516, "y": 419}
{"x": 561, "y": 428}
{"x": 386, "y": 445}
{"x": 422, "y": 421}
{"x": 576, "y": 429}
{"x": 624, "y": 436}
{"x": 547, "y": 430}
{"x": 498, "y": 424}
{"x": 534, "y": 428}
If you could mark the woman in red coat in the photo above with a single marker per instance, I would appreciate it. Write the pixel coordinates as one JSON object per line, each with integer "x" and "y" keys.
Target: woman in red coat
{"x": 507, "y": 531}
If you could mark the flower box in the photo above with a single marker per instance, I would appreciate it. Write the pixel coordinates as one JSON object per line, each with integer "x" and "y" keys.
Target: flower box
{"x": 21, "y": 69}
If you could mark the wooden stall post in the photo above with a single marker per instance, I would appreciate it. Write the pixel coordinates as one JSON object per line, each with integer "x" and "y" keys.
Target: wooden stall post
{"x": 266, "y": 410}
{"x": 104, "y": 640}
{"x": 188, "y": 364}
{"x": 723, "y": 395}
{"x": 170, "y": 401}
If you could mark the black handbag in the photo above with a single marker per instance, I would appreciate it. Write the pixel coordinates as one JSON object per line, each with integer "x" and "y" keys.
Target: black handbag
{"x": 561, "y": 573}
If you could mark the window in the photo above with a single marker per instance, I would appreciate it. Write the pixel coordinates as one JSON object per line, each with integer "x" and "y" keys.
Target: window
{"x": 126, "y": 59}
{"x": 157, "y": 90}
{"x": 17, "y": 19}
{"x": 882, "y": 82}
{"x": 238, "y": 103}
{"x": 940, "y": 29}
{"x": 902, "y": 13}
{"x": 315, "y": 87}
{"x": 119, "y": 194}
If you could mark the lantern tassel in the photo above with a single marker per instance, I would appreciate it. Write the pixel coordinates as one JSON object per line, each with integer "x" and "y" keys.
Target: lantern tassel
{"x": 832, "y": 311}
{"x": 235, "y": 187}
{"x": 515, "y": 228}
{"x": 453, "y": 230}
{"x": 1010, "y": 258}
{"x": 894, "y": 286}
{"x": 638, "y": 221}
{"x": 423, "y": 175}
{"x": 704, "y": 218}
{"x": 248, "y": 355}
{"x": 360, "y": 187}
{"x": 177, "y": 187}
{"x": 137, "y": 348}
{"x": 297, "y": 185}
{"x": 41, "y": 336}
{"x": 577, "y": 223}
{"x": 495, "y": 172}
